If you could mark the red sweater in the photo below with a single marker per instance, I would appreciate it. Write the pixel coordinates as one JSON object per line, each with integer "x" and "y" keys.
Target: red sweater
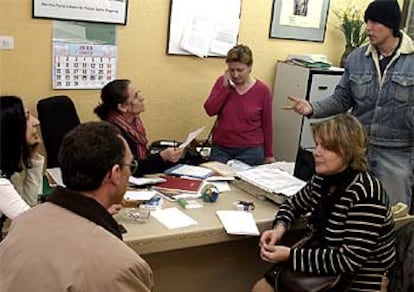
{"x": 244, "y": 120}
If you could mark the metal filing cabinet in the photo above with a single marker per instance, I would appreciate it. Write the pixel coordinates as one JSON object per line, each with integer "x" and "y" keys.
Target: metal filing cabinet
{"x": 301, "y": 82}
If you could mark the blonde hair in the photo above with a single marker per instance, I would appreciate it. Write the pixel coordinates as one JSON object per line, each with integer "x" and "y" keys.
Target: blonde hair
{"x": 344, "y": 135}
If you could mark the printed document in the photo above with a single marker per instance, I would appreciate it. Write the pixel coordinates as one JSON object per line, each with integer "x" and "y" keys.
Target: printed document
{"x": 271, "y": 178}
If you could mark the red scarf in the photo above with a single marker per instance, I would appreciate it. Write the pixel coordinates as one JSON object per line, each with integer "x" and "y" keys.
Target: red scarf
{"x": 136, "y": 130}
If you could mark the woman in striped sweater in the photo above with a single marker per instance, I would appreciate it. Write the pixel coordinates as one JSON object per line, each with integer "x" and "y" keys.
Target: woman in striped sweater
{"x": 350, "y": 213}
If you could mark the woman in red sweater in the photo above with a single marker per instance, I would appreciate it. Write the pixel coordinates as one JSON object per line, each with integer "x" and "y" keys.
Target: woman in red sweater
{"x": 243, "y": 105}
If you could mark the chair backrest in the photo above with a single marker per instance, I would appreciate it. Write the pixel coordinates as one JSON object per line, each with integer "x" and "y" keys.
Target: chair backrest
{"x": 401, "y": 274}
{"x": 304, "y": 164}
{"x": 57, "y": 116}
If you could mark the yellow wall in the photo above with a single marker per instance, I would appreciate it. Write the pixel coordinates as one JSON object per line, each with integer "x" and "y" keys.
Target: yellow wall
{"x": 175, "y": 86}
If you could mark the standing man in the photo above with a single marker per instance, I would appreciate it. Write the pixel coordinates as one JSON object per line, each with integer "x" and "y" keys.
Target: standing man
{"x": 378, "y": 86}
{"x": 71, "y": 242}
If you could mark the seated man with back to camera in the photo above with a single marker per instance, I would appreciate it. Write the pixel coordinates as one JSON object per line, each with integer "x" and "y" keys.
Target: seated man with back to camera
{"x": 71, "y": 242}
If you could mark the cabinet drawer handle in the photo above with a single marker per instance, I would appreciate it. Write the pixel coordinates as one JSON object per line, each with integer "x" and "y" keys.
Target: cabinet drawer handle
{"x": 322, "y": 87}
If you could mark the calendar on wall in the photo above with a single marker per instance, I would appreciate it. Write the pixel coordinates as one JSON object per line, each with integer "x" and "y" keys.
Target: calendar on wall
{"x": 84, "y": 55}
{"x": 83, "y": 66}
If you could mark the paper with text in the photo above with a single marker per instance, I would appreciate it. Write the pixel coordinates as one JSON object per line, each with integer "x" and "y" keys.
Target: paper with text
{"x": 271, "y": 178}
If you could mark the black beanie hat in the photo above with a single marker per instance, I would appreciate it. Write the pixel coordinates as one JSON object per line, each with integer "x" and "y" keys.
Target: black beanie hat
{"x": 386, "y": 12}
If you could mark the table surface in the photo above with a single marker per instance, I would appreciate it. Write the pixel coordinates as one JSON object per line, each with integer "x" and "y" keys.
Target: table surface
{"x": 152, "y": 236}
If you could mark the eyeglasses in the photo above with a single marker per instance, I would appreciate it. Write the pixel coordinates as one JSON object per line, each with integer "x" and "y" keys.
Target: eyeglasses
{"x": 133, "y": 166}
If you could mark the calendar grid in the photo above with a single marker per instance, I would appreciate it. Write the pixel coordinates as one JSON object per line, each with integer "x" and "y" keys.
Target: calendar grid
{"x": 83, "y": 66}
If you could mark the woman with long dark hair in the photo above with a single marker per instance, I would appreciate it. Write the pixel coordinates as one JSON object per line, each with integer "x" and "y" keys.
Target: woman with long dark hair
{"x": 21, "y": 166}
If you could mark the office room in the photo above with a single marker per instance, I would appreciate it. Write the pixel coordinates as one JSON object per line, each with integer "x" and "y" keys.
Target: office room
{"x": 175, "y": 88}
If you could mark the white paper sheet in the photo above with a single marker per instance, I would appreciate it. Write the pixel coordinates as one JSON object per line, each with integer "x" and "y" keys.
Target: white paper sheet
{"x": 56, "y": 175}
{"x": 196, "y": 36}
{"x": 190, "y": 171}
{"x": 139, "y": 195}
{"x": 271, "y": 178}
{"x": 191, "y": 136}
{"x": 224, "y": 36}
{"x": 140, "y": 181}
{"x": 173, "y": 218}
{"x": 238, "y": 222}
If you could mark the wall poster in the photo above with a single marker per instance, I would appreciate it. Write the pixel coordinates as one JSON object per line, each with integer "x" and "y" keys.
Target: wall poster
{"x": 104, "y": 11}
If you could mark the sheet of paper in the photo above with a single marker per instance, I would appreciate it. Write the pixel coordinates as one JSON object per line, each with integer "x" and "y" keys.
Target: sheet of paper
{"x": 56, "y": 175}
{"x": 220, "y": 178}
{"x": 191, "y": 137}
{"x": 224, "y": 36}
{"x": 173, "y": 218}
{"x": 196, "y": 36}
{"x": 289, "y": 167}
{"x": 140, "y": 181}
{"x": 192, "y": 171}
{"x": 238, "y": 222}
{"x": 139, "y": 195}
{"x": 220, "y": 168}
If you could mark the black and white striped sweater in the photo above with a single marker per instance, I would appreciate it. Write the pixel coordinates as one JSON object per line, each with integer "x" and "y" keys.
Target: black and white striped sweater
{"x": 358, "y": 234}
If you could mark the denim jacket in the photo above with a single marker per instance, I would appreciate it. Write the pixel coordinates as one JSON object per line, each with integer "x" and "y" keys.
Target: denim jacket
{"x": 384, "y": 105}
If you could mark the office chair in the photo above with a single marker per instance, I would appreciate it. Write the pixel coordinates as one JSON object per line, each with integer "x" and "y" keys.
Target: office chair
{"x": 57, "y": 116}
{"x": 304, "y": 164}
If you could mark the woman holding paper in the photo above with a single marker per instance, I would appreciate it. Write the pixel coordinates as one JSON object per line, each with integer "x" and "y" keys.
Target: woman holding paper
{"x": 243, "y": 106}
{"x": 121, "y": 104}
{"x": 351, "y": 216}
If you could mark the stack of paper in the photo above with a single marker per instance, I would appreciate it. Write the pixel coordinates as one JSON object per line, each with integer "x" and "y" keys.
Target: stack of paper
{"x": 272, "y": 179}
{"x": 269, "y": 181}
{"x": 238, "y": 222}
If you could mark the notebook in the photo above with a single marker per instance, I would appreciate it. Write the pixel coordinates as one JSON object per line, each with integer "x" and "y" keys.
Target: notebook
{"x": 177, "y": 185}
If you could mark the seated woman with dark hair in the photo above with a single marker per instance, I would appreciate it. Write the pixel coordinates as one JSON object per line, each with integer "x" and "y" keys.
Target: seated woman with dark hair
{"x": 21, "y": 166}
{"x": 121, "y": 105}
{"x": 350, "y": 214}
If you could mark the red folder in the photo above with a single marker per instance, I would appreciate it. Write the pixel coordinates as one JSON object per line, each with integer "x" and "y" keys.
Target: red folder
{"x": 178, "y": 184}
